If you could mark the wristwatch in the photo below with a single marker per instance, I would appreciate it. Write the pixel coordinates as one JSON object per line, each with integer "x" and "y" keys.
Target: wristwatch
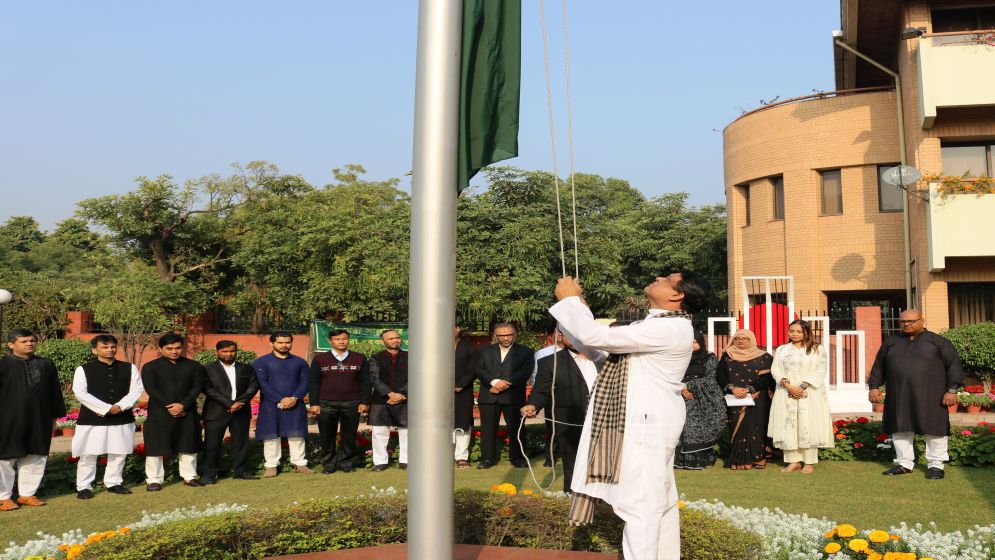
{"x": 804, "y": 385}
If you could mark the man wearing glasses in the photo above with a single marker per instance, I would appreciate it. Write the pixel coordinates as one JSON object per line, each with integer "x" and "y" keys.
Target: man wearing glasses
{"x": 922, "y": 373}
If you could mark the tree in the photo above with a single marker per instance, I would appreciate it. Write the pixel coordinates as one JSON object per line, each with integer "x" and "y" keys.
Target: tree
{"x": 188, "y": 229}
{"x": 137, "y": 306}
{"x": 20, "y": 233}
{"x": 39, "y": 303}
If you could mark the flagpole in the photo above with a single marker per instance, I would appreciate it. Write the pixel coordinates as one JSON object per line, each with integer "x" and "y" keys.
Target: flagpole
{"x": 432, "y": 293}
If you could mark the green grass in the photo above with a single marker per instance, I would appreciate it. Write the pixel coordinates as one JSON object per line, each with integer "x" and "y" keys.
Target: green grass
{"x": 852, "y": 492}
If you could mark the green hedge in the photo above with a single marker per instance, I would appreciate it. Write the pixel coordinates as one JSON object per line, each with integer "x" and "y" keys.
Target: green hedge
{"x": 60, "y": 472}
{"x": 864, "y": 440}
{"x": 210, "y": 356}
{"x": 67, "y": 354}
{"x": 481, "y": 518}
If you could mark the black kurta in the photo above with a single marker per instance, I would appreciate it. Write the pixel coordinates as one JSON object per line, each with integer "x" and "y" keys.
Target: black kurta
{"x": 463, "y": 401}
{"x": 748, "y": 424}
{"x": 30, "y": 399}
{"x": 167, "y": 383}
{"x": 916, "y": 373}
{"x": 706, "y": 416}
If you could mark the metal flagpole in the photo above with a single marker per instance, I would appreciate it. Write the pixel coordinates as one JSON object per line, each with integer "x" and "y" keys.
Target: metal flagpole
{"x": 432, "y": 293}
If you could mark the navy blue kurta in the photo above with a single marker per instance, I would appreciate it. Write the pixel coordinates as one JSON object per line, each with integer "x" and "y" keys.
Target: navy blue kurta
{"x": 280, "y": 378}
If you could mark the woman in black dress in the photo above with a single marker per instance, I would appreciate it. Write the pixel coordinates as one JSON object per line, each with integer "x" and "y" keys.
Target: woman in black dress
{"x": 706, "y": 410}
{"x": 745, "y": 370}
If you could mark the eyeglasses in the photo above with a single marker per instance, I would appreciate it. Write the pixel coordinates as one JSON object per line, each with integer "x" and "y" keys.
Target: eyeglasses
{"x": 910, "y": 321}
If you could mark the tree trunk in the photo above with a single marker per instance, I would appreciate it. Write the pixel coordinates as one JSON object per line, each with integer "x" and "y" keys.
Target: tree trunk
{"x": 161, "y": 261}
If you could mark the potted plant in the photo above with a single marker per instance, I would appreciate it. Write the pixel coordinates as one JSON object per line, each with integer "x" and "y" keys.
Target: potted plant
{"x": 973, "y": 402}
{"x": 67, "y": 423}
{"x": 879, "y": 407}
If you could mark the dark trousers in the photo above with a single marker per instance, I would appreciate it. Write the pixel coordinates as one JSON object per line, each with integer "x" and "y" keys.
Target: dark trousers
{"x": 214, "y": 435}
{"x": 567, "y": 438}
{"x": 490, "y": 414}
{"x": 338, "y": 416}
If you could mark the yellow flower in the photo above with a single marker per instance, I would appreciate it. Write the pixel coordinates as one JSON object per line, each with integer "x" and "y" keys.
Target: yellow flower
{"x": 829, "y": 534}
{"x": 74, "y": 551}
{"x": 857, "y": 545}
{"x": 508, "y": 488}
{"x": 895, "y": 537}
{"x": 495, "y": 488}
{"x": 681, "y": 504}
{"x": 879, "y": 536}
{"x": 832, "y": 548}
{"x": 63, "y": 547}
{"x": 846, "y": 530}
{"x": 124, "y": 530}
{"x": 527, "y": 492}
{"x": 871, "y": 555}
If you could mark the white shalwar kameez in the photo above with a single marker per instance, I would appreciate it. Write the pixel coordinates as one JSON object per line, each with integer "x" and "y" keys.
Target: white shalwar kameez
{"x": 646, "y": 494}
{"x": 91, "y": 441}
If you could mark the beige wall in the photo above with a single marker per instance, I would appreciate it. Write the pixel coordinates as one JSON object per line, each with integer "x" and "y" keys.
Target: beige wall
{"x": 858, "y": 250}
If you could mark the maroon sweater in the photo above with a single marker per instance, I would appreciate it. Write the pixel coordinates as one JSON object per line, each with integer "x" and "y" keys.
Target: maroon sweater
{"x": 332, "y": 380}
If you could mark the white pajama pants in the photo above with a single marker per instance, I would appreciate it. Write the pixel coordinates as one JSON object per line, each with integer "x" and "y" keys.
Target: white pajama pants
{"x": 29, "y": 469}
{"x": 272, "y": 451}
{"x": 651, "y": 536}
{"x": 808, "y": 455}
{"x": 380, "y": 436}
{"x": 155, "y": 473}
{"x": 905, "y": 451}
{"x": 462, "y": 446}
{"x": 86, "y": 471}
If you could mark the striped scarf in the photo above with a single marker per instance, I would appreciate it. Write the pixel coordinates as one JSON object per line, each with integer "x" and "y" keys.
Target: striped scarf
{"x": 607, "y": 429}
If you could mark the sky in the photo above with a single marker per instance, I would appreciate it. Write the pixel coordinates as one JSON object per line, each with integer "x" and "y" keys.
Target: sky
{"x": 95, "y": 94}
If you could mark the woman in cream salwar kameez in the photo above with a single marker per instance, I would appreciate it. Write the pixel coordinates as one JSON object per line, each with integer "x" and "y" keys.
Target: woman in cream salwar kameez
{"x": 800, "y": 423}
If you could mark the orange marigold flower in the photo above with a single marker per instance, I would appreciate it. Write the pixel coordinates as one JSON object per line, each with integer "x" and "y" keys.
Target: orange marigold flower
{"x": 495, "y": 488}
{"x": 878, "y": 536}
{"x": 896, "y": 538}
{"x": 871, "y": 555}
{"x": 846, "y": 530}
{"x": 857, "y": 545}
{"x": 124, "y": 530}
{"x": 63, "y": 547}
{"x": 832, "y": 548}
{"x": 840, "y": 436}
{"x": 829, "y": 534}
{"x": 681, "y": 504}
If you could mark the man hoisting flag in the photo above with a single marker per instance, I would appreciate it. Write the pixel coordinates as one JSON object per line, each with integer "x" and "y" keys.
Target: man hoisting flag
{"x": 634, "y": 422}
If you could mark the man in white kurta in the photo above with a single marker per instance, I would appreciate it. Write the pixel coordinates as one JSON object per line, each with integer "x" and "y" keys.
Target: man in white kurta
{"x": 107, "y": 389}
{"x": 659, "y": 350}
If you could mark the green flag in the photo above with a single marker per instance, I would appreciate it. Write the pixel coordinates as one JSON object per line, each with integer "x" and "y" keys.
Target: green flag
{"x": 490, "y": 80}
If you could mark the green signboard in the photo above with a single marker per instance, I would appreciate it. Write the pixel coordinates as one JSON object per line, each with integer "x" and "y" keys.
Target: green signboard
{"x": 358, "y": 332}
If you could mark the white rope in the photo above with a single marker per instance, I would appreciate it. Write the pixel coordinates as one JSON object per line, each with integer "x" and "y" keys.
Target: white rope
{"x": 570, "y": 142}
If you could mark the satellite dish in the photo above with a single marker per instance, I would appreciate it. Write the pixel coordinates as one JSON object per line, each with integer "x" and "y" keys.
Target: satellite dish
{"x": 901, "y": 175}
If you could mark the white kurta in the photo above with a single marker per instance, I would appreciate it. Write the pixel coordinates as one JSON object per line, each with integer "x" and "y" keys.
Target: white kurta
{"x": 660, "y": 350}
{"x": 97, "y": 440}
{"x": 800, "y": 423}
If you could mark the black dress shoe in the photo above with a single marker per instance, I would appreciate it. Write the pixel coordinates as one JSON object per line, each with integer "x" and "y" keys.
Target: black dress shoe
{"x": 119, "y": 490}
{"x": 547, "y": 463}
{"x": 193, "y": 483}
{"x": 933, "y": 473}
{"x": 245, "y": 476}
{"x": 328, "y": 470}
{"x": 485, "y": 464}
{"x": 896, "y": 470}
{"x": 520, "y": 464}
{"x": 209, "y": 480}
{"x": 154, "y": 487}
{"x": 84, "y": 494}
{"x": 379, "y": 468}
{"x": 404, "y": 466}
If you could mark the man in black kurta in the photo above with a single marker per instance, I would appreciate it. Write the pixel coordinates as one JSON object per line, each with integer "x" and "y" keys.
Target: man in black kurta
{"x": 30, "y": 401}
{"x": 921, "y": 372}
{"x": 173, "y": 426}
{"x": 389, "y": 402}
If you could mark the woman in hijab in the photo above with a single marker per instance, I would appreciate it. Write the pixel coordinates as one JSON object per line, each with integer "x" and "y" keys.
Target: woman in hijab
{"x": 744, "y": 372}
{"x": 706, "y": 410}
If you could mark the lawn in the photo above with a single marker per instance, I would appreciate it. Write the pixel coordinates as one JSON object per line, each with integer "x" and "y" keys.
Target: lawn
{"x": 852, "y": 492}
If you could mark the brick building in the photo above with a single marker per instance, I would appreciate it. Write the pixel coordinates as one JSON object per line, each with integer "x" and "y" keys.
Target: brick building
{"x": 803, "y": 177}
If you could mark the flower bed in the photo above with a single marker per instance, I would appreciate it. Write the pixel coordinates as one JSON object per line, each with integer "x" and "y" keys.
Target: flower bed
{"x": 861, "y": 439}
{"x": 495, "y": 518}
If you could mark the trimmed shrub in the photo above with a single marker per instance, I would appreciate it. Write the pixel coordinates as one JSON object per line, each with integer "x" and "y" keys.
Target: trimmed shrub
{"x": 67, "y": 355}
{"x": 209, "y": 356}
{"x": 481, "y": 518}
{"x": 975, "y": 345}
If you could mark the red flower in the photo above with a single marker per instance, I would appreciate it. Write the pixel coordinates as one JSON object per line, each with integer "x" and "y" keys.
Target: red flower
{"x": 857, "y": 445}
{"x": 284, "y": 444}
{"x": 882, "y": 437}
{"x": 507, "y": 440}
{"x": 227, "y": 439}
{"x": 862, "y": 420}
{"x": 476, "y": 433}
{"x": 72, "y": 459}
{"x": 976, "y": 389}
{"x": 102, "y": 460}
{"x": 140, "y": 449}
{"x": 503, "y": 432}
{"x": 991, "y": 430}
{"x": 840, "y": 423}
{"x": 982, "y": 423}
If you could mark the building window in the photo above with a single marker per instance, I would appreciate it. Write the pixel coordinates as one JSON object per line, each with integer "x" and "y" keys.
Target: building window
{"x": 832, "y": 192}
{"x": 778, "y": 199}
{"x": 963, "y": 19}
{"x": 971, "y": 303}
{"x": 746, "y": 204}
{"x": 889, "y": 196}
{"x": 970, "y": 160}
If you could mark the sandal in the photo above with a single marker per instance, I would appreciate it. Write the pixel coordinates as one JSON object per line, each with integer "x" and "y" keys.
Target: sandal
{"x": 462, "y": 464}
{"x": 792, "y": 467}
{"x": 760, "y": 466}
{"x": 808, "y": 469}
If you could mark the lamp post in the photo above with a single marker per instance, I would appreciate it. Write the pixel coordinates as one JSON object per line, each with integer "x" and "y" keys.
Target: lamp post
{"x": 5, "y": 298}
{"x": 906, "y": 237}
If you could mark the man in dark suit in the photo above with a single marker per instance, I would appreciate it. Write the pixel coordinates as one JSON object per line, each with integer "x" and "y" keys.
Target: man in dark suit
{"x": 229, "y": 387}
{"x": 503, "y": 370}
{"x": 575, "y": 375}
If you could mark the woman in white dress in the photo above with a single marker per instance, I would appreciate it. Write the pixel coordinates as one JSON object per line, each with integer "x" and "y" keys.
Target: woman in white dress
{"x": 800, "y": 422}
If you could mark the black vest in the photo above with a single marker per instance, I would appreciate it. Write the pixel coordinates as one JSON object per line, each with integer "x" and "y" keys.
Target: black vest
{"x": 393, "y": 375}
{"x": 109, "y": 383}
